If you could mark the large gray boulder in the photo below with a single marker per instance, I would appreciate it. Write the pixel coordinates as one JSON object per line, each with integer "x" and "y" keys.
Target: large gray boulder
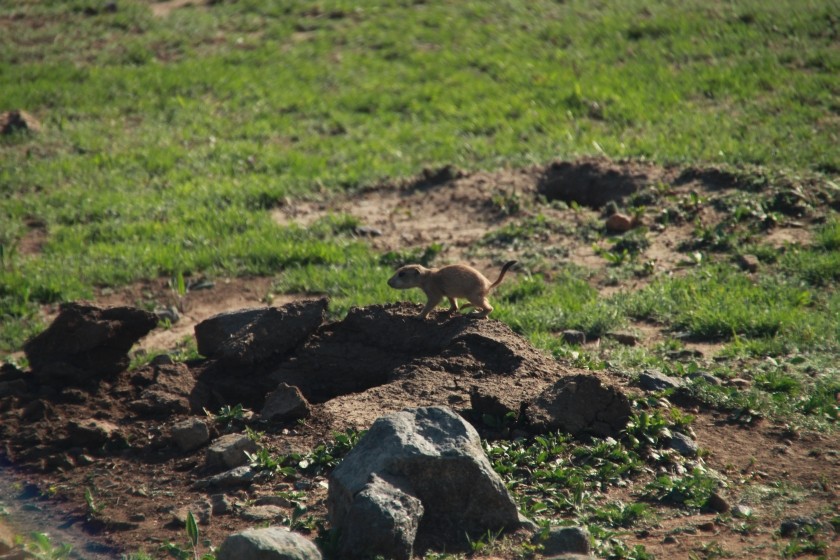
{"x": 250, "y": 336}
{"x": 435, "y": 456}
{"x": 270, "y": 543}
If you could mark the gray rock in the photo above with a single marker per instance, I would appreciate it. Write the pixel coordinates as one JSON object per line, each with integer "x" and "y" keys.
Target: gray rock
{"x": 190, "y": 434}
{"x": 573, "y": 337}
{"x": 251, "y": 336}
{"x": 440, "y": 459}
{"x": 579, "y": 405}
{"x": 656, "y": 381}
{"x": 240, "y": 476}
{"x": 564, "y": 540}
{"x": 382, "y": 521}
{"x": 741, "y": 511}
{"x": 270, "y": 543}
{"x": 259, "y": 514}
{"x": 13, "y": 388}
{"x": 229, "y": 451}
{"x": 285, "y": 403}
{"x": 221, "y": 504}
{"x": 683, "y": 444}
{"x": 705, "y": 377}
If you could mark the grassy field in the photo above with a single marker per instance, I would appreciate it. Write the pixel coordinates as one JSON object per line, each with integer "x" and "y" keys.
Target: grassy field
{"x": 168, "y": 139}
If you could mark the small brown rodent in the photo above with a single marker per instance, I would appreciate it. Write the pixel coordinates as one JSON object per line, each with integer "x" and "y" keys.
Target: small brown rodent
{"x": 451, "y": 282}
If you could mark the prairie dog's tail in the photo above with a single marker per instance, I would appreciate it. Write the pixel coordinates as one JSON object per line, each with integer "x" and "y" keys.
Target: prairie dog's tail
{"x": 501, "y": 274}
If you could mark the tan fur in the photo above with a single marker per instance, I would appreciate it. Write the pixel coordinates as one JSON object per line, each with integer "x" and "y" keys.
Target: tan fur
{"x": 451, "y": 282}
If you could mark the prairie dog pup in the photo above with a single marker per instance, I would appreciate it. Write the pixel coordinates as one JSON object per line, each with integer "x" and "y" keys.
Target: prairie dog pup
{"x": 451, "y": 282}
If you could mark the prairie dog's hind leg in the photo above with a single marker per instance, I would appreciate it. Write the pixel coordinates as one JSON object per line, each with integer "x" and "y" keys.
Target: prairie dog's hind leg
{"x": 431, "y": 303}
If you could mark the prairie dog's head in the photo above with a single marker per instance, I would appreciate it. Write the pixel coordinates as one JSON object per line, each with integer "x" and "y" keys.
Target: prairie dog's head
{"x": 407, "y": 277}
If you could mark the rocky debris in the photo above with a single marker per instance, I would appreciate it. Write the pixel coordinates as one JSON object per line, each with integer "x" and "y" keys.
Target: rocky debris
{"x": 683, "y": 444}
{"x": 229, "y": 451}
{"x": 248, "y": 337}
{"x": 190, "y": 434}
{"x": 18, "y": 121}
{"x": 619, "y": 223}
{"x": 564, "y": 540}
{"x": 270, "y": 543}
{"x": 433, "y": 455}
{"x": 656, "y": 381}
{"x": 750, "y": 263}
{"x": 573, "y": 337}
{"x": 590, "y": 183}
{"x": 383, "y": 521}
{"x": 85, "y": 343}
{"x": 579, "y": 405}
{"x": 285, "y": 403}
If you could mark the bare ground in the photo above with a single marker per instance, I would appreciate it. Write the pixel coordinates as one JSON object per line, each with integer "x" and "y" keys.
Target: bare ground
{"x": 778, "y": 473}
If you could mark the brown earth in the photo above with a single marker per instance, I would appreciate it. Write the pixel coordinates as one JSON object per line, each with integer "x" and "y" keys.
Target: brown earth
{"x": 145, "y": 486}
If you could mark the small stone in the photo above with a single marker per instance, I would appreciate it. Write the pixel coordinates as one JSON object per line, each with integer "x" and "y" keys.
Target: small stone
{"x": 220, "y": 504}
{"x": 240, "y": 476}
{"x": 708, "y": 527}
{"x": 717, "y": 503}
{"x": 656, "y": 381}
{"x": 670, "y": 539}
{"x": 270, "y": 543}
{"x": 229, "y": 451}
{"x": 564, "y": 540}
{"x": 190, "y": 434}
{"x": 285, "y": 403}
{"x": 749, "y": 262}
{"x": 619, "y": 223}
{"x": 740, "y": 383}
{"x": 706, "y": 378}
{"x": 683, "y": 444}
{"x": 741, "y": 511}
{"x": 261, "y": 514}
{"x": 573, "y": 337}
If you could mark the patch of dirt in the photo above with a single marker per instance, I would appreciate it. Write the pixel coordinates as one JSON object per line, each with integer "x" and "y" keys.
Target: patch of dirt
{"x": 163, "y": 9}
{"x": 144, "y": 484}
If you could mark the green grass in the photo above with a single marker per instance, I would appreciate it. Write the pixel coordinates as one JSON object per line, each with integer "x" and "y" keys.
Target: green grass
{"x": 167, "y": 139}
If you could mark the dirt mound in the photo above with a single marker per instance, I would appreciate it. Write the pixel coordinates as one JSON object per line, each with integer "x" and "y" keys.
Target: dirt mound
{"x": 591, "y": 183}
